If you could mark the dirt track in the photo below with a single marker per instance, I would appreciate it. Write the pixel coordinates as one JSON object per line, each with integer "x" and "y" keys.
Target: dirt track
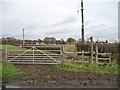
{"x": 49, "y": 77}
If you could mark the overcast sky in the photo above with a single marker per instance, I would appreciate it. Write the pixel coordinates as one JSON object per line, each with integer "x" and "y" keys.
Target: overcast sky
{"x": 59, "y": 19}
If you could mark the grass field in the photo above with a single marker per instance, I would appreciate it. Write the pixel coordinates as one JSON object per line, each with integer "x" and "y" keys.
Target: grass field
{"x": 70, "y": 47}
{"x": 114, "y": 68}
{"x": 11, "y": 47}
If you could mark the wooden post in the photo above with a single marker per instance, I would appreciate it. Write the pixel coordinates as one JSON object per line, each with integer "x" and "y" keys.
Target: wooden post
{"x": 23, "y": 37}
{"x": 3, "y": 54}
{"x": 96, "y": 55}
{"x": 62, "y": 53}
{"x": 82, "y": 56}
{"x": 91, "y": 38}
{"x": 6, "y": 52}
{"x": 33, "y": 54}
{"x": 65, "y": 50}
{"x": 110, "y": 58}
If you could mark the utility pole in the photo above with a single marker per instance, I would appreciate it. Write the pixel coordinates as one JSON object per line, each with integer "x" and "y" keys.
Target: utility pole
{"x": 82, "y": 14}
{"x": 23, "y": 37}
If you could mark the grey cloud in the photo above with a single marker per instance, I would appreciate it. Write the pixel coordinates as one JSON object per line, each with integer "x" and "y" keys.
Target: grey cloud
{"x": 102, "y": 32}
{"x": 13, "y": 28}
{"x": 31, "y": 26}
{"x": 6, "y": 35}
{"x": 67, "y": 20}
{"x": 32, "y": 15}
{"x": 87, "y": 22}
{"x": 60, "y": 31}
{"x": 36, "y": 25}
{"x": 96, "y": 26}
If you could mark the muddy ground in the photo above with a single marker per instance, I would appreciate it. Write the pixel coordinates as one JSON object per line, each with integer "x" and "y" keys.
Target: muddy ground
{"x": 47, "y": 76}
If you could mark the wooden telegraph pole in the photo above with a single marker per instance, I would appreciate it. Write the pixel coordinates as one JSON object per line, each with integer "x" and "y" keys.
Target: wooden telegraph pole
{"x": 82, "y": 14}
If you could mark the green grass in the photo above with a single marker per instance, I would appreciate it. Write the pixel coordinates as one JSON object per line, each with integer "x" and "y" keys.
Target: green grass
{"x": 12, "y": 47}
{"x": 0, "y": 70}
{"x": 9, "y": 71}
{"x": 70, "y": 47}
{"x": 0, "y": 47}
{"x": 114, "y": 68}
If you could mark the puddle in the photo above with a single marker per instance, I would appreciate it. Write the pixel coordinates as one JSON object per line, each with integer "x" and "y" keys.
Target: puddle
{"x": 12, "y": 86}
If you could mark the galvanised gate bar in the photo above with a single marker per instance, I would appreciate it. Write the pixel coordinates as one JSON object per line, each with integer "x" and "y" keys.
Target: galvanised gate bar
{"x": 36, "y": 54}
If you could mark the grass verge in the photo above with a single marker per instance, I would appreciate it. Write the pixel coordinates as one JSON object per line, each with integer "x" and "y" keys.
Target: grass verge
{"x": 114, "y": 68}
{"x": 9, "y": 71}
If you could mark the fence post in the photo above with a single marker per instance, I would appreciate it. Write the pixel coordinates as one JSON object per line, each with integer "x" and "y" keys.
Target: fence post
{"x": 110, "y": 58}
{"x": 96, "y": 55}
{"x": 91, "y": 38}
{"x": 62, "y": 50}
{"x": 3, "y": 54}
{"x": 33, "y": 54}
{"x": 6, "y": 52}
{"x": 82, "y": 56}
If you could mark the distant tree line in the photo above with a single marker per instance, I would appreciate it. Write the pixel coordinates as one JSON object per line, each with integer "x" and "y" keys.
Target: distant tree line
{"x": 46, "y": 40}
{"x": 11, "y": 40}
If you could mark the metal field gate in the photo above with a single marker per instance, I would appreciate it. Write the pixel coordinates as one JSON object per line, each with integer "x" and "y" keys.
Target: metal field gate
{"x": 46, "y": 54}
